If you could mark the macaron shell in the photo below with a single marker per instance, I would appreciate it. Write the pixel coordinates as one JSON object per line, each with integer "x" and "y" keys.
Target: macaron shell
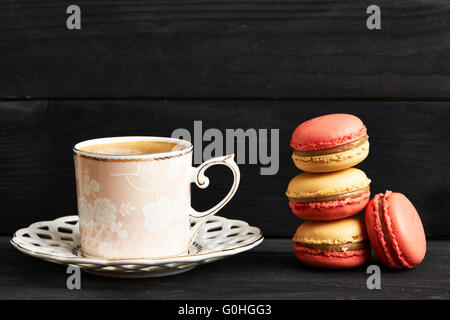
{"x": 407, "y": 231}
{"x": 327, "y": 132}
{"x": 330, "y": 210}
{"x": 406, "y": 245}
{"x": 349, "y": 230}
{"x": 312, "y": 185}
{"x": 331, "y": 260}
{"x": 332, "y": 162}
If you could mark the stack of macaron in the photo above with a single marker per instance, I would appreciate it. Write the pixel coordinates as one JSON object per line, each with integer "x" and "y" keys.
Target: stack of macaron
{"x": 329, "y": 192}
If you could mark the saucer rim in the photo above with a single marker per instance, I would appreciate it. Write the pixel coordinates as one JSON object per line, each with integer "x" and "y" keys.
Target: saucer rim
{"x": 198, "y": 257}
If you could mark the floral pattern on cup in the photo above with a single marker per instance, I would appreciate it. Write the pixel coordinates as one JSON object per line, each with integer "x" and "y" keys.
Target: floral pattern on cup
{"x": 160, "y": 214}
{"x": 99, "y": 215}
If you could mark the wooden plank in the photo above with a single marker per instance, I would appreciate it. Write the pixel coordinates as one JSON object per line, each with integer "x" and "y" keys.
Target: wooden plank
{"x": 231, "y": 49}
{"x": 269, "y": 271}
{"x": 409, "y": 153}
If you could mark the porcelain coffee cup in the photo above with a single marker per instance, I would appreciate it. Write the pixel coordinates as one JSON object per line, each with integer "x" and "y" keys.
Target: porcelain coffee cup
{"x": 138, "y": 206}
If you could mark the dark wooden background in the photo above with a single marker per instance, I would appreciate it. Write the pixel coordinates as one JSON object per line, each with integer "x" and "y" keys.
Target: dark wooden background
{"x": 149, "y": 67}
{"x": 225, "y": 49}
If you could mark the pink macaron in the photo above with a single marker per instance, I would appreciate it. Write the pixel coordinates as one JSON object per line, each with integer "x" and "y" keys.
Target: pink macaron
{"x": 395, "y": 230}
{"x": 329, "y": 143}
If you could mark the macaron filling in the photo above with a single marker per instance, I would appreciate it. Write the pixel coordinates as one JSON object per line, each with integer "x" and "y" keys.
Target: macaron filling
{"x": 350, "y": 246}
{"x": 337, "y": 149}
{"x": 340, "y": 196}
{"x": 333, "y": 258}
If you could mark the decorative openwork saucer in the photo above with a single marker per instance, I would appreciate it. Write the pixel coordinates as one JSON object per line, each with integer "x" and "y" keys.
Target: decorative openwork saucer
{"x": 58, "y": 241}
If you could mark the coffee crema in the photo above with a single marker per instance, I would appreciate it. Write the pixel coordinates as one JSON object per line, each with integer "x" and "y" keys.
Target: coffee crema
{"x": 129, "y": 148}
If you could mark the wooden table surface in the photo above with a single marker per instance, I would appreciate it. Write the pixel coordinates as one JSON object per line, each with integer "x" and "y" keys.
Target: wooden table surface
{"x": 269, "y": 271}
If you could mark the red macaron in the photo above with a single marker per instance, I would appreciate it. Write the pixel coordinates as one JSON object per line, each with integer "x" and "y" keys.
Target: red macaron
{"x": 395, "y": 230}
{"x": 331, "y": 260}
{"x": 330, "y": 143}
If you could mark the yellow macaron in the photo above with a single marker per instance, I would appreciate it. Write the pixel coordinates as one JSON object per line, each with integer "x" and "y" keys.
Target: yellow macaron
{"x": 333, "y": 161}
{"x": 334, "y": 233}
{"x": 332, "y": 244}
{"x": 328, "y": 196}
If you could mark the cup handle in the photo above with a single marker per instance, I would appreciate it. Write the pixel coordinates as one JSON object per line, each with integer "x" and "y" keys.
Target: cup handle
{"x": 202, "y": 181}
